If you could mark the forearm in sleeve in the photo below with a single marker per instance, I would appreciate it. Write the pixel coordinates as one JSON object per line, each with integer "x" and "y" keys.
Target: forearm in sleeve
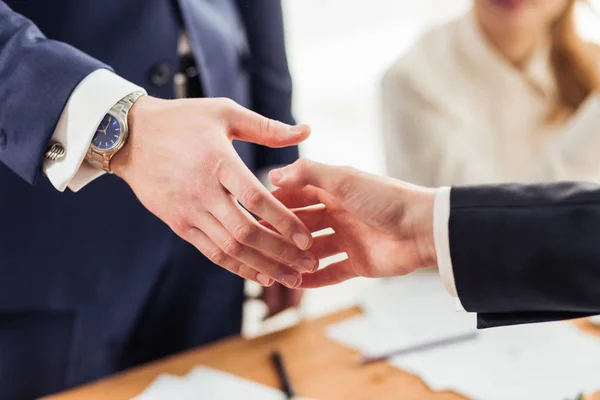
{"x": 523, "y": 250}
{"x": 37, "y": 77}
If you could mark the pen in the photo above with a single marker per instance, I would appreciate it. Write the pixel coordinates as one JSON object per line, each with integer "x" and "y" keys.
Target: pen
{"x": 283, "y": 375}
{"x": 420, "y": 347}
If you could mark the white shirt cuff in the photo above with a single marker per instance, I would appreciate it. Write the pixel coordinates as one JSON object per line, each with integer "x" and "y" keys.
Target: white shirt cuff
{"x": 88, "y": 104}
{"x": 441, "y": 215}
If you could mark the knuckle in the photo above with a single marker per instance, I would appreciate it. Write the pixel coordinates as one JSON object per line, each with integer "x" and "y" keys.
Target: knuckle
{"x": 266, "y": 126}
{"x": 232, "y": 247}
{"x": 217, "y": 257}
{"x": 245, "y": 233}
{"x": 226, "y": 102}
{"x": 227, "y": 105}
{"x": 252, "y": 199}
{"x": 216, "y": 164}
{"x": 181, "y": 227}
{"x": 302, "y": 166}
{"x": 300, "y": 172}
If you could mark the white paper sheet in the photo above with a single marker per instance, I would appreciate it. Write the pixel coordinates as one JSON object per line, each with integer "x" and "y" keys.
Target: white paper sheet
{"x": 161, "y": 388}
{"x": 218, "y": 385}
{"x": 208, "y": 384}
{"x": 401, "y": 314}
{"x": 520, "y": 362}
{"x": 540, "y": 361}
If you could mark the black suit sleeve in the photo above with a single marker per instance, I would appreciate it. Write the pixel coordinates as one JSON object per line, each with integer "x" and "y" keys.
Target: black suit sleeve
{"x": 526, "y": 253}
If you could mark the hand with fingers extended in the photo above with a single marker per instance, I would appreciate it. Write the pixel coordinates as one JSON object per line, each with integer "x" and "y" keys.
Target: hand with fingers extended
{"x": 180, "y": 162}
{"x": 383, "y": 225}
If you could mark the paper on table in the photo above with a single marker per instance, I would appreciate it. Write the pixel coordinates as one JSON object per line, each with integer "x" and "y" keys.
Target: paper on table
{"x": 520, "y": 362}
{"x": 549, "y": 361}
{"x": 218, "y": 385}
{"x": 208, "y": 384}
{"x": 161, "y": 388}
{"x": 403, "y": 313}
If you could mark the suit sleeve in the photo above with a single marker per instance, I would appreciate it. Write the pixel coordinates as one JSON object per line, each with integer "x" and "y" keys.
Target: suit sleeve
{"x": 270, "y": 75}
{"x": 526, "y": 253}
{"x": 37, "y": 77}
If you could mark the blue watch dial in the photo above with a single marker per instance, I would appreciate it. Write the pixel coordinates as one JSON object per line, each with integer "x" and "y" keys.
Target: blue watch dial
{"x": 108, "y": 134}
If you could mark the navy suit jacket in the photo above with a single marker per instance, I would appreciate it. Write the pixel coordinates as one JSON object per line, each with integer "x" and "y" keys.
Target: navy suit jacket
{"x": 91, "y": 282}
{"x": 526, "y": 253}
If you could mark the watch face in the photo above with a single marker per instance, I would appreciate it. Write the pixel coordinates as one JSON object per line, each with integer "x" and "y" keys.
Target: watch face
{"x": 108, "y": 134}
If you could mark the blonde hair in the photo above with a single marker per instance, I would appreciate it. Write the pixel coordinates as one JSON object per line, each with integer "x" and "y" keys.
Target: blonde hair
{"x": 575, "y": 64}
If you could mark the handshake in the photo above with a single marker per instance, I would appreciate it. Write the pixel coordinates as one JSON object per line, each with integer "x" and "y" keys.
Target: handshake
{"x": 194, "y": 184}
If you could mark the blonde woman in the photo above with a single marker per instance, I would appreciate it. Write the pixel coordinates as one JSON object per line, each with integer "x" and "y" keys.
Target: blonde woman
{"x": 504, "y": 93}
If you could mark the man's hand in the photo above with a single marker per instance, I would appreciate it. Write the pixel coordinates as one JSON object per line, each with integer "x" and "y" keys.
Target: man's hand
{"x": 383, "y": 225}
{"x": 181, "y": 164}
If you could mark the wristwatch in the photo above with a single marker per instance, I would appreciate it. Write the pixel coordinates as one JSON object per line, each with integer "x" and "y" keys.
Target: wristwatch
{"x": 112, "y": 133}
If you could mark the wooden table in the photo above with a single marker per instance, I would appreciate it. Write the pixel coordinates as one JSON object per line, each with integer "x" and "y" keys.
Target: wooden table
{"x": 319, "y": 368}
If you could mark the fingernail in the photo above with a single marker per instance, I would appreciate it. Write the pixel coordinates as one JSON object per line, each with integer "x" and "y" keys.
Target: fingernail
{"x": 301, "y": 240}
{"x": 276, "y": 176}
{"x": 307, "y": 263}
{"x": 297, "y": 129}
{"x": 289, "y": 280}
{"x": 264, "y": 279}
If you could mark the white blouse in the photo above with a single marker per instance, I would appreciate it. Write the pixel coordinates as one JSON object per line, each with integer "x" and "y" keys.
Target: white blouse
{"x": 456, "y": 112}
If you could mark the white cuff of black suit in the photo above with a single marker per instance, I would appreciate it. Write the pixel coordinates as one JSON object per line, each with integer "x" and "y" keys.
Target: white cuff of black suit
{"x": 441, "y": 218}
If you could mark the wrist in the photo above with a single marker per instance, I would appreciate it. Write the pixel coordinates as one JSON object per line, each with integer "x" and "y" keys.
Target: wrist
{"x": 123, "y": 160}
{"x": 112, "y": 133}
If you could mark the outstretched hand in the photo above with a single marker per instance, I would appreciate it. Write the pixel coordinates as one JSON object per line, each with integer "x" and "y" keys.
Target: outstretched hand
{"x": 383, "y": 225}
{"x": 180, "y": 162}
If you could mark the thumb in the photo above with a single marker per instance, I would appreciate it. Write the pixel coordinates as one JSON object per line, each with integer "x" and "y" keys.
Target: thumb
{"x": 339, "y": 182}
{"x": 252, "y": 127}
